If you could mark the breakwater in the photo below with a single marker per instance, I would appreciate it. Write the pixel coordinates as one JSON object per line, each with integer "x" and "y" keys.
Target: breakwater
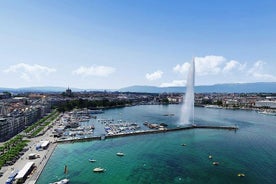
{"x": 143, "y": 132}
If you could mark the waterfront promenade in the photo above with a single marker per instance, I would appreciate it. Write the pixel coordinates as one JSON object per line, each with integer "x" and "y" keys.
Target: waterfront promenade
{"x": 40, "y": 162}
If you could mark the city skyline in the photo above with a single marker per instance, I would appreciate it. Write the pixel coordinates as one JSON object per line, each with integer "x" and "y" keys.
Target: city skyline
{"x": 115, "y": 44}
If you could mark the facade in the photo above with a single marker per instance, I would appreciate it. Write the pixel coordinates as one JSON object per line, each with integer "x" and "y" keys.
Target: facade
{"x": 18, "y": 117}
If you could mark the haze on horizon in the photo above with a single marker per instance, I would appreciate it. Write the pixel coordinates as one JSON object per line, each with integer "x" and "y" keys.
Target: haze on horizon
{"x": 113, "y": 44}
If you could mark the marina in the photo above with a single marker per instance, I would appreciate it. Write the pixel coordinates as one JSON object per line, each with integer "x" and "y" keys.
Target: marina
{"x": 144, "y": 132}
{"x": 111, "y": 128}
{"x": 178, "y": 152}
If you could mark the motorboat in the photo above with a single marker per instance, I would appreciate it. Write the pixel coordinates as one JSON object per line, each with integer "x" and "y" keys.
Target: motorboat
{"x": 210, "y": 157}
{"x": 92, "y": 160}
{"x": 183, "y": 144}
{"x": 120, "y": 154}
{"x": 63, "y": 181}
{"x": 267, "y": 112}
{"x": 241, "y": 175}
{"x": 215, "y": 163}
{"x": 98, "y": 169}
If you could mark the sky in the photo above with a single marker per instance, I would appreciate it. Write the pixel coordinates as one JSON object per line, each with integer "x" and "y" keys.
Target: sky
{"x": 107, "y": 44}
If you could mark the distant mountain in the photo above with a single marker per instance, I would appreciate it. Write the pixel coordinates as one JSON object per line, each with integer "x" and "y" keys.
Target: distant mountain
{"x": 38, "y": 89}
{"x": 258, "y": 87}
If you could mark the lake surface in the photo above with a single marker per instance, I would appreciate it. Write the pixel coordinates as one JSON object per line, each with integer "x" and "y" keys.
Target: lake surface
{"x": 160, "y": 158}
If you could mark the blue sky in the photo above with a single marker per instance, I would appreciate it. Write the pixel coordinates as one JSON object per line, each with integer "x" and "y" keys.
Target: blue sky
{"x": 113, "y": 44}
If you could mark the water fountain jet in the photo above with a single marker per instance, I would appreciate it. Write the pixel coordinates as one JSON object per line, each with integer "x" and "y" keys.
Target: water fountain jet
{"x": 187, "y": 111}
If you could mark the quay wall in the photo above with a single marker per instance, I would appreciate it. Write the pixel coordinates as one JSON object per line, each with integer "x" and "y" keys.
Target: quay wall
{"x": 149, "y": 132}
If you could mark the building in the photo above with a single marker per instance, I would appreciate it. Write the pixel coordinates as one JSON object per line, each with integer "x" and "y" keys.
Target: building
{"x": 265, "y": 103}
{"x": 17, "y": 119}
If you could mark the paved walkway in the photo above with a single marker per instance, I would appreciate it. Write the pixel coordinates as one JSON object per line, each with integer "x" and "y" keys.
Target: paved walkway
{"x": 39, "y": 162}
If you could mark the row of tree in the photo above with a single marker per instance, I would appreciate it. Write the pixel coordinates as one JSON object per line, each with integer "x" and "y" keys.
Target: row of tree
{"x": 11, "y": 149}
{"x": 91, "y": 104}
{"x": 36, "y": 128}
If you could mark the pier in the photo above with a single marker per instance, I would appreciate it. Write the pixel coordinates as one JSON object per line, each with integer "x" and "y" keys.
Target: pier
{"x": 144, "y": 132}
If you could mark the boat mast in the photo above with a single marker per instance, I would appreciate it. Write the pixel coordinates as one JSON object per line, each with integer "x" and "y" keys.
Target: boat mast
{"x": 193, "y": 91}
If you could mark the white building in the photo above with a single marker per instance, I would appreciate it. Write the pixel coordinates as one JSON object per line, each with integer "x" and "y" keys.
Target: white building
{"x": 265, "y": 103}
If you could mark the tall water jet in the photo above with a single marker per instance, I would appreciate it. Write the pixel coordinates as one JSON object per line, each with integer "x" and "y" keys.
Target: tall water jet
{"x": 187, "y": 115}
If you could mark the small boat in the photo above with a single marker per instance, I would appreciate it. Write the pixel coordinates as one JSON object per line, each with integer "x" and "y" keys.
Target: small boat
{"x": 120, "y": 154}
{"x": 64, "y": 181}
{"x": 215, "y": 163}
{"x": 92, "y": 160}
{"x": 183, "y": 144}
{"x": 210, "y": 157}
{"x": 98, "y": 169}
{"x": 241, "y": 175}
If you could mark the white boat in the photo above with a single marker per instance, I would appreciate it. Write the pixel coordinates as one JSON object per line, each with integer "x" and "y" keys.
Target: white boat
{"x": 241, "y": 175}
{"x": 271, "y": 113}
{"x": 64, "y": 181}
{"x": 92, "y": 160}
{"x": 213, "y": 106}
{"x": 98, "y": 169}
{"x": 215, "y": 163}
{"x": 120, "y": 154}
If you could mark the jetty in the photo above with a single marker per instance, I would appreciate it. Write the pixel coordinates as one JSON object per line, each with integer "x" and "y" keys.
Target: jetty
{"x": 144, "y": 132}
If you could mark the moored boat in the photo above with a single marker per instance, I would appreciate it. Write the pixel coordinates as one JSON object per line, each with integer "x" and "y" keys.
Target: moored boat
{"x": 267, "y": 112}
{"x": 92, "y": 160}
{"x": 98, "y": 169}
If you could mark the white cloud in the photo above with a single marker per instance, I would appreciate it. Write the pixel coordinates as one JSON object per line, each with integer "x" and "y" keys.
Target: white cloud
{"x": 174, "y": 83}
{"x": 100, "y": 71}
{"x": 256, "y": 71}
{"x": 209, "y": 65}
{"x": 218, "y": 69}
{"x": 182, "y": 68}
{"x": 155, "y": 75}
{"x": 29, "y": 72}
{"x": 232, "y": 65}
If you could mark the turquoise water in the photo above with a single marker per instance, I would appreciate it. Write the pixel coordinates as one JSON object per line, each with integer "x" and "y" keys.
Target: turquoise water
{"x": 160, "y": 158}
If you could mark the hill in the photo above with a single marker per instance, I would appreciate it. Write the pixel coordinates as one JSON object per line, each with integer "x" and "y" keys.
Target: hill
{"x": 259, "y": 87}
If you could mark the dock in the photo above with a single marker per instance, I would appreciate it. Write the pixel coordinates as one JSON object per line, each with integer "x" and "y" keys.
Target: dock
{"x": 144, "y": 132}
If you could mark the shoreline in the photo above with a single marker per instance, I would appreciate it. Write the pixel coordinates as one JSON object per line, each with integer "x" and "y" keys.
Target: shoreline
{"x": 45, "y": 155}
{"x": 33, "y": 179}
